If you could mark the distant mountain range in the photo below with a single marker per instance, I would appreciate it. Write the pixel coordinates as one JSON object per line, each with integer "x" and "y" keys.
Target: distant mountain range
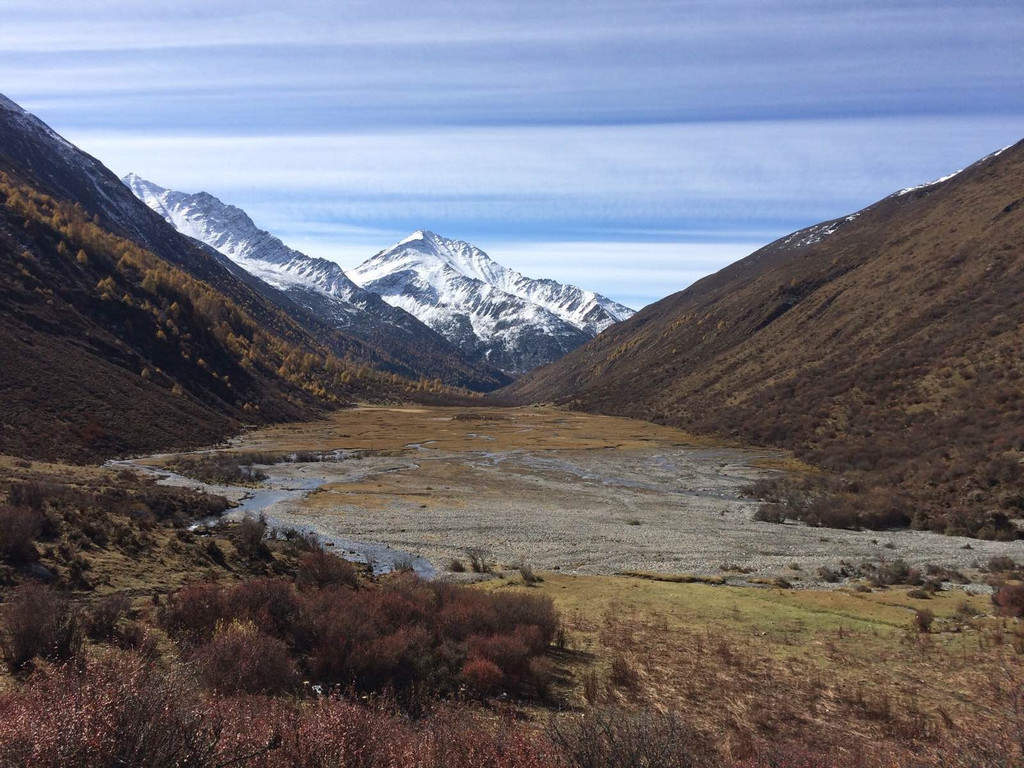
{"x": 888, "y": 344}
{"x": 318, "y": 285}
{"x": 416, "y": 292}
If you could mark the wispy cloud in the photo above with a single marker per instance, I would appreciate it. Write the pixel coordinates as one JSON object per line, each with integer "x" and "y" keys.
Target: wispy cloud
{"x": 342, "y": 126}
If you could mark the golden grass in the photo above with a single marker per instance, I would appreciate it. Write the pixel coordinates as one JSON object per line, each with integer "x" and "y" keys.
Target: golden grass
{"x": 839, "y": 668}
{"x": 379, "y": 428}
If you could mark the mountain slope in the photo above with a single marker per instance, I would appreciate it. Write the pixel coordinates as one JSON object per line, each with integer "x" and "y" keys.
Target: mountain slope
{"x": 119, "y": 334}
{"x": 491, "y": 312}
{"x": 888, "y": 345}
{"x": 318, "y": 285}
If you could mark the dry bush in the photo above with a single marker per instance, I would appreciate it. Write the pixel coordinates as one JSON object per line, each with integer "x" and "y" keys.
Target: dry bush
{"x": 19, "y": 527}
{"x": 103, "y": 617}
{"x": 273, "y": 605}
{"x": 319, "y": 569}
{"x": 623, "y": 674}
{"x": 249, "y": 537}
{"x": 527, "y": 573}
{"x": 770, "y": 513}
{"x": 38, "y": 621}
{"x": 31, "y": 494}
{"x": 193, "y": 613}
{"x": 618, "y": 738}
{"x": 591, "y": 687}
{"x": 1001, "y": 564}
{"x": 224, "y": 468}
{"x": 241, "y": 659}
{"x": 478, "y": 561}
{"x": 923, "y": 619}
{"x": 456, "y": 566}
{"x": 889, "y": 573}
{"x": 332, "y": 733}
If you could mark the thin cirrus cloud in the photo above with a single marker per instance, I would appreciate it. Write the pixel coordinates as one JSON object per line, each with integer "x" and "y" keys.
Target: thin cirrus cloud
{"x": 545, "y": 132}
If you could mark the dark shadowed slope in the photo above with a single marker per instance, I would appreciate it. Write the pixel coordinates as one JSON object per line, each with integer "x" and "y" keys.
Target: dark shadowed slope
{"x": 889, "y": 345}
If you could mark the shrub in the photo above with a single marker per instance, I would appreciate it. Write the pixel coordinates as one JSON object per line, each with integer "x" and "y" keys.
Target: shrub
{"x": 482, "y": 675}
{"x": 896, "y": 572}
{"x": 591, "y": 687}
{"x": 102, "y": 620}
{"x": 526, "y": 572}
{"x": 515, "y": 609}
{"x": 30, "y": 494}
{"x": 606, "y": 737}
{"x": 1001, "y": 564}
{"x": 241, "y": 659}
{"x": 399, "y": 633}
{"x": 923, "y": 619}
{"x": 770, "y": 513}
{"x": 119, "y": 711}
{"x": 623, "y": 674}
{"x": 223, "y": 468}
{"x": 478, "y": 561}
{"x": 249, "y": 538}
{"x": 456, "y": 566}
{"x": 19, "y": 527}
{"x": 829, "y": 575}
{"x": 510, "y": 654}
{"x": 320, "y": 569}
{"x": 193, "y": 613}
{"x": 39, "y": 621}
{"x": 1009, "y": 600}
{"x": 271, "y": 604}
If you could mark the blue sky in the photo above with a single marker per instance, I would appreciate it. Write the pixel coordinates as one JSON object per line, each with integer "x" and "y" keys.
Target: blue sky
{"x": 629, "y": 147}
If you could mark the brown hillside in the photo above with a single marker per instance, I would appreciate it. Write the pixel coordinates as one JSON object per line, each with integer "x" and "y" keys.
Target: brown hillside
{"x": 107, "y": 348}
{"x": 119, "y": 335}
{"x": 888, "y": 346}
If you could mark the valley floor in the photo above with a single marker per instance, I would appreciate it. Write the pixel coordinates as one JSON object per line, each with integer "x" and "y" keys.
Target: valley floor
{"x": 620, "y": 520}
{"x": 564, "y": 491}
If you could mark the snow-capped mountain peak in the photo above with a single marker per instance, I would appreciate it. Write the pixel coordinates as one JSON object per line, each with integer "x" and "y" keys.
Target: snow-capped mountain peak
{"x": 508, "y": 319}
{"x": 588, "y": 311}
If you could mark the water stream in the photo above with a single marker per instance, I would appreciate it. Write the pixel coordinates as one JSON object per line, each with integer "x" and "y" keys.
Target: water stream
{"x": 272, "y": 499}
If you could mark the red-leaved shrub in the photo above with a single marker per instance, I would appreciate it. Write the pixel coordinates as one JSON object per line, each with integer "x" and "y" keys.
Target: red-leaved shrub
{"x": 1009, "y": 600}
{"x": 397, "y": 634}
{"x": 241, "y": 659}
{"x": 320, "y": 569}
{"x": 121, "y": 710}
{"x": 118, "y": 711}
{"x": 482, "y": 675}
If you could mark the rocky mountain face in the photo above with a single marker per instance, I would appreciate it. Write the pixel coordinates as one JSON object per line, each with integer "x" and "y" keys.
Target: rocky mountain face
{"x": 492, "y": 313}
{"x": 318, "y": 285}
{"x": 887, "y": 345}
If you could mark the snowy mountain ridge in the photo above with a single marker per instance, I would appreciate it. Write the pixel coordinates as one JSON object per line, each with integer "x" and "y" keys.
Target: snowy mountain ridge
{"x": 230, "y": 230}
{"x": 318, "y": 285}
{"x": 426, "y": 289}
